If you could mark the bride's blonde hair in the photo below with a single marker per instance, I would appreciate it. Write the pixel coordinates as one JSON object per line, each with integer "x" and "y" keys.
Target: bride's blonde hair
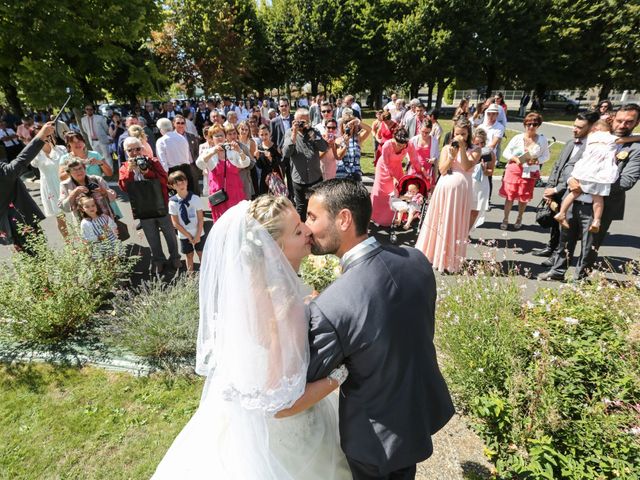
{"x": 269, "y": 211}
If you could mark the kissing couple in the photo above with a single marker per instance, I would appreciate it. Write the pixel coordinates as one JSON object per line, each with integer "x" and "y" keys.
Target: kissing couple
{"x": 272, "y": 357}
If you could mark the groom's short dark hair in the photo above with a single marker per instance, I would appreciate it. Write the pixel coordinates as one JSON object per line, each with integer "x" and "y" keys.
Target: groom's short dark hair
{"x": 341, "y": 193}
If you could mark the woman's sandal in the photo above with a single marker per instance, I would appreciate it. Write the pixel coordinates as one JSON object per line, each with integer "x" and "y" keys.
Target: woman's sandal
{"x": 504, "y": 225}
{"x": 595, "y": 226}
{"x": 518, "y": 224}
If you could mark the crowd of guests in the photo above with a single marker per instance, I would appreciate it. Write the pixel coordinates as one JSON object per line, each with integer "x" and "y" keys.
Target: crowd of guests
{"x": 173, "y": 160}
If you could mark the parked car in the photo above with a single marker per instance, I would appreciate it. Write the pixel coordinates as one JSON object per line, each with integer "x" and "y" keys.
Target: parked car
{"x": 555, "y": 101}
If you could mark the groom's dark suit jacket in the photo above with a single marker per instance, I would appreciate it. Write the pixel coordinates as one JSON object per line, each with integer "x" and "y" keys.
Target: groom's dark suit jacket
{"x": 378, "y": 319}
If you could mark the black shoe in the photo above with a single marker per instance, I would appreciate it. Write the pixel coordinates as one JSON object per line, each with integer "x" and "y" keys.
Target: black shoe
{"x": 547, "y": 262}
{"x": 542, "y": 252}
{"x": 547, "y": 276}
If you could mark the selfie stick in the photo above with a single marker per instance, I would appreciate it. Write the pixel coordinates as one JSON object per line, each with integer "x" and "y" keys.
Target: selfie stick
{"x": 70, "y": 92}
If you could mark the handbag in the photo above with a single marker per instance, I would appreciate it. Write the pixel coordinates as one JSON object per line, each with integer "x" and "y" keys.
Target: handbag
{"x": 123, "y": 230}
{"x": 220, "y": 196}
{"x": 545, "y": 213}
{"x": 147, "y": 199}
{"x": 276, "y": 184}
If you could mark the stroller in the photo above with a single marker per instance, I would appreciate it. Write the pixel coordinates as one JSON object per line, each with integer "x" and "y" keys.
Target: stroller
{"x": 401, "y": 208}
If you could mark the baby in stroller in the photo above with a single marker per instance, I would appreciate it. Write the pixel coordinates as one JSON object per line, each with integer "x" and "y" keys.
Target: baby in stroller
{"x": 410, "y": 203}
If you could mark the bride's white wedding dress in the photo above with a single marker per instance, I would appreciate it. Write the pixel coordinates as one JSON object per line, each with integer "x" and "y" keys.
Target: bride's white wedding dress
{"x": 253, "y": 348}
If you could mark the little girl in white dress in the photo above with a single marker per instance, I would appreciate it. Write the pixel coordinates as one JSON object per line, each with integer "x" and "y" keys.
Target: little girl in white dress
{"x": 596, "y": 170}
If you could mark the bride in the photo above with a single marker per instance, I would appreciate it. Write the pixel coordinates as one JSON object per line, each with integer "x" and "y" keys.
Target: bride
{"x": 257, "y": 419}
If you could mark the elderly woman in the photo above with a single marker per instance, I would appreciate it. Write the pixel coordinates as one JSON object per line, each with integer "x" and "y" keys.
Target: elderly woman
{"x": 79, "y": 183}
{"x": 232, "y": 119}
{"x": 525, "y": 153}
{"x": 388, "y": 172}
{"x": 223, "y": 162}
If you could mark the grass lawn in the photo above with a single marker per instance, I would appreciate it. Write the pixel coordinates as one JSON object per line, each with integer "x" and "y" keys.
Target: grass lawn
{"x": 367, "y": 148}
{"x": 88, "y": 423}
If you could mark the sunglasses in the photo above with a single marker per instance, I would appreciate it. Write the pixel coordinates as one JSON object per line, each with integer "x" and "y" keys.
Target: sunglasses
{"x": 534, "y": 124}
{"x": 326, "y": 111}
{"x": 332, "y": 128}
{"x": 134, "y": 149}
{"x": 179, "y": 123}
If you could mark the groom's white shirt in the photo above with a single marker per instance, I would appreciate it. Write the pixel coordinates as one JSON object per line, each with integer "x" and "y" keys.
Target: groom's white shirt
{"x": 357, "y": 250}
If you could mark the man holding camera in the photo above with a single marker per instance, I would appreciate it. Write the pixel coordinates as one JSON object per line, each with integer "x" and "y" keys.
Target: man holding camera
{"x": 139, "y": 168}
{"x": 301, "y": 151}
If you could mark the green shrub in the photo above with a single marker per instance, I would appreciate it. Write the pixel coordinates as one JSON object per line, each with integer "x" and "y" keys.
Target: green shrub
{"x": 49, "y": 296}
{"x": 158, "y": 321}
{"x": 319, "y": 271}
{"x": 554, "y": 382}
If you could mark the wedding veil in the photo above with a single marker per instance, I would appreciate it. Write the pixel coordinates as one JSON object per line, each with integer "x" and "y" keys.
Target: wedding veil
{"x": 253, "y": 333}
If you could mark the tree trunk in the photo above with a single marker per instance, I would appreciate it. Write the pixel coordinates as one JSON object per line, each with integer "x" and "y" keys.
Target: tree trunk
{"x": 605, "y": 89}
{"x": 11, "y": 94}
{"x": 314, "y": 87}
{"x": 413, "y": 90}
{"x": 539, "y": 91}
{"x": 442, "y": 86}
{"x": 429, "y": 95}
{"x": 490, "y": 71}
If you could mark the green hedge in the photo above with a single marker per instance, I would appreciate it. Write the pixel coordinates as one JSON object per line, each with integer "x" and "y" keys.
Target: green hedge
{"x": 553, "y": 382}
{"x": 49, "y": 296}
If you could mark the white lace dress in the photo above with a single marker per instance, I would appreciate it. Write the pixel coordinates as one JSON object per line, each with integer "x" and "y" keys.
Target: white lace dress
{"x": 214, "y": 445}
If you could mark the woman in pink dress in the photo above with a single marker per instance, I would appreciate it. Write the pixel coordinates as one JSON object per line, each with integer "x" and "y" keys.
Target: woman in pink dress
{"x": 214, "y": 160}
{"x": 388, "y": 172}
{"x": 384, "y": 133}
{"x": 444, "y": 233}
{"x": 422, "y": 145}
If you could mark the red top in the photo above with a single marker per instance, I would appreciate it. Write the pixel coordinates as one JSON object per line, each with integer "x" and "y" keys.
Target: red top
{"x": 155, "y": 170}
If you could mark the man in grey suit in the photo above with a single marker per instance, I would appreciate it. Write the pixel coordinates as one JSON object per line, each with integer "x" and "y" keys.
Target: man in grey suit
{"x": 628, "y": 157}
{"x": 378, "y": 320}
{"x": 557, "y": 183}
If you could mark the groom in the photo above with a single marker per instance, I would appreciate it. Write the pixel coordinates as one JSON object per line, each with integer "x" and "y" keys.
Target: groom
{"x": 378, "y": 320}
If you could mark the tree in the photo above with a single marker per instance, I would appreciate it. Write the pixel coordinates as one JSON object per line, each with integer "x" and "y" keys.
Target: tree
{"x": 370, "y": 65}
{"x": 213, "y": 43}
{"x": 310, "y": 39}
{"x": 51, "y": 44}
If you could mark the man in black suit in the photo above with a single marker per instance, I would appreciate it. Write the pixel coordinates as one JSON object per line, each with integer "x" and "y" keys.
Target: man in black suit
{"x": 378, "y": 320}
{"x": 628, "y": 157}
{"x": 180, "y": 126}
{"x": 281, "y": 123}
{"x": 151, "y": 116}
{"x": 201, "y": 117}
{"x": 557, "y": 183}
{"x": 16, "y": 205}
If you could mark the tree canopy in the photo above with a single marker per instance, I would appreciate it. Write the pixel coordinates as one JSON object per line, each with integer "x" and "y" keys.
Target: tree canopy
{"x": 135, "y": 48}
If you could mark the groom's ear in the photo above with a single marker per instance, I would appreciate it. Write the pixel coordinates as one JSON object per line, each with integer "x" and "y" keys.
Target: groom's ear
{"x": 344, "y": 219}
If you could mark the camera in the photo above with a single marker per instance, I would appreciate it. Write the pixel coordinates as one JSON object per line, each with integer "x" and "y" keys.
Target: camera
{"x": 142, "y": 162}
{"x": 91, "y": 186}
{"x": 455, "y": 144}
{"x": 347, "y": 130}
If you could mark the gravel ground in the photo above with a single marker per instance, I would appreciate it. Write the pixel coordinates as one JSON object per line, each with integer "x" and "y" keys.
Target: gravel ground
{"x": 457, "y": 454}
